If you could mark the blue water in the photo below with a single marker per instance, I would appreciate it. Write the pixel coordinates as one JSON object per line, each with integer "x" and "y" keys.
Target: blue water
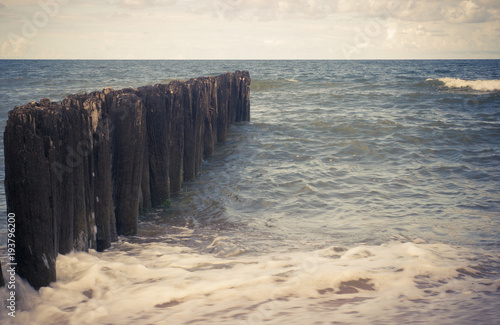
{"x": 376, "y": 161}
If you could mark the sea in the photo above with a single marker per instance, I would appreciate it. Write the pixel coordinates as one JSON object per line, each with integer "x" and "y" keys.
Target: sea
{"x": 361, "y": 192}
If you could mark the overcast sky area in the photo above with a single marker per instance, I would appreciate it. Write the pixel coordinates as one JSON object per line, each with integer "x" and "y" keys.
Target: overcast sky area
{"x": 250, "y": 29}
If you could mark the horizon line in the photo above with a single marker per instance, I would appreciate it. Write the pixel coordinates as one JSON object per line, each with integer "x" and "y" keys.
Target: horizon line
{"x": 260, "y": 59}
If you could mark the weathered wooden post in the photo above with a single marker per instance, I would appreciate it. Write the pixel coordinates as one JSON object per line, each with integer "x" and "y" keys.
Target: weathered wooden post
{"x": 78, "y": 172}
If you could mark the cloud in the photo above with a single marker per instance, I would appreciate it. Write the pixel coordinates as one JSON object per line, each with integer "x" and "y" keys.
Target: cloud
{"x": 454, "y": 11}
{"x": 141, "y": 4}
{"x": 425, "y": 29}
{"x": 435, "y": 39}
{"x": 391, "y": 31}
{"x": 468, "y": 12}
{"x": 274, "y": 9}
{"x": 261, "y": 28}
{"x": 121, "y": 14}
{"x": 136, "y": 3}
{"x": 14, "y": 48}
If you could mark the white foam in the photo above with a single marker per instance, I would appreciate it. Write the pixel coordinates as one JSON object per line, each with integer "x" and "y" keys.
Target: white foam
{"x": 479, "y": 85}
{"x": 154, "y": 282}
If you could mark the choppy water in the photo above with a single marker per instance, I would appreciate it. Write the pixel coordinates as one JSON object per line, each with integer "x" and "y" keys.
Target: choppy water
{"x": 361, "y": 192}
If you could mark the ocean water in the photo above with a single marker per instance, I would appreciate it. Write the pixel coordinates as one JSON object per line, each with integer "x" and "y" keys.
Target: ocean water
{"x": 361, "y": 192}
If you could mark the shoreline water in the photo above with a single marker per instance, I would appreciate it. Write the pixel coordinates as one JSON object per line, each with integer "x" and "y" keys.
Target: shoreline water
{"x": 354, "y": 176}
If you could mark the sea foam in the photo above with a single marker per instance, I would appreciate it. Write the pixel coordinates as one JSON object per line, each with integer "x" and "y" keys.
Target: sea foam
{"x": 140, "y": 283}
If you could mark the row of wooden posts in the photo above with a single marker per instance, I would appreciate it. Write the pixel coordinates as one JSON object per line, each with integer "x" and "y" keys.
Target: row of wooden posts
{"x": 79, "y": 172}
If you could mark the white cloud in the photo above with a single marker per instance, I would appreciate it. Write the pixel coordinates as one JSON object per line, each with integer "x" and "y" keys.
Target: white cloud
{"x": 437, "y": 39}
{"x": 468, "y": 12}
{"x": 392, "y": 29}
{"x": 121, "y": 14}
{"x": 454, "y": 11}
{"x": 14, "y": 48}
{"x": 258, "y": 28}
{"x": 135, "y": 3}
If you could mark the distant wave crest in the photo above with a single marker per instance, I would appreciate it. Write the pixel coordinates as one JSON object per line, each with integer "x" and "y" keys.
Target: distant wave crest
{"x": 479, "y": 85}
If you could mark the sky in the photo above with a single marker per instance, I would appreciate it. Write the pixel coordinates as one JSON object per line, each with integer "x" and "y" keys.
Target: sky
{"x": 249, "y": 29}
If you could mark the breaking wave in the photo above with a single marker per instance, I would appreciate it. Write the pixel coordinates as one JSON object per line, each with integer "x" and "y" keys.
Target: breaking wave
{"x": 152, "y": 282}
{"x": 479, "y": 85}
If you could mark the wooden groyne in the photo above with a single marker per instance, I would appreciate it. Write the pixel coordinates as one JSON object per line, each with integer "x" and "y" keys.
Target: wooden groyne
{"x": 79, "y": 172}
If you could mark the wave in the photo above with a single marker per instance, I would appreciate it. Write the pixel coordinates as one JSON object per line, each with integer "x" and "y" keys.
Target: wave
{"x": 479, "y": 85}
{"x": 270, "y": 84}
{"x": 158, "y": 280}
